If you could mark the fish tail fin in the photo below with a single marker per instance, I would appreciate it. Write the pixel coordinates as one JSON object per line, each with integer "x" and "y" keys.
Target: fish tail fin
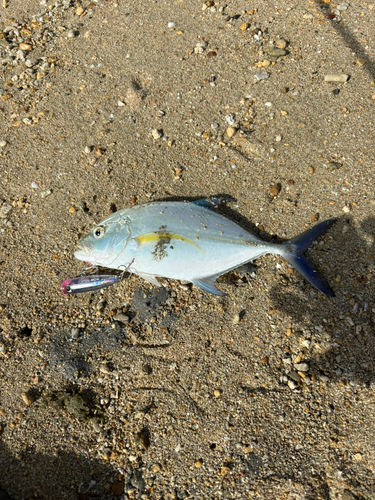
{"x": 293, "y": 251}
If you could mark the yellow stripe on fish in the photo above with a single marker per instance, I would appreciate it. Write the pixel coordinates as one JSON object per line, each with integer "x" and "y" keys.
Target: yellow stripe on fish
{"x": 158, "y": 236}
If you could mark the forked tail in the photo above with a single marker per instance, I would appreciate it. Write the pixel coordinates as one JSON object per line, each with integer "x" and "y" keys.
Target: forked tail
{"x": 293, "y": 252}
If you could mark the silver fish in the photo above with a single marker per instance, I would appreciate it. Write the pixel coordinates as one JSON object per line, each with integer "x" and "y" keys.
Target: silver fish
{"x": 188, "y": 241}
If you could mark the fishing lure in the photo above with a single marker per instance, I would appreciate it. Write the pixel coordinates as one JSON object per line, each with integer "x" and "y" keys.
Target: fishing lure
{"x": 88, "y": 283}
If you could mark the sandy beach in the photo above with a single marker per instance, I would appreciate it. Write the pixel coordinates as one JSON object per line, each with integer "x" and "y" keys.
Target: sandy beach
{"x": 170, "y": 393}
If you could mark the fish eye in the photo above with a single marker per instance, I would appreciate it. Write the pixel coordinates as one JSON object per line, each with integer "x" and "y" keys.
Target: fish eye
{"x": 98, "y": 232}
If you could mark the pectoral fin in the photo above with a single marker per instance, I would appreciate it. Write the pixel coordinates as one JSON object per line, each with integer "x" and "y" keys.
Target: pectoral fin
{"x": 208, "y": 284}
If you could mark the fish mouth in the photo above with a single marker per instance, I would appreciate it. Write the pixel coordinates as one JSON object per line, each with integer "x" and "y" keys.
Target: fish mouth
{"x": 83, "y": 252}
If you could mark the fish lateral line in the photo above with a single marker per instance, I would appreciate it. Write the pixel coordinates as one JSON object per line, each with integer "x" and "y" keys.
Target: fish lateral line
{"x": 159, "y": 236}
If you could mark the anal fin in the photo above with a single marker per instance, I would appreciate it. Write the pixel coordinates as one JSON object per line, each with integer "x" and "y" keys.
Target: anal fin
{"x": 208, "y": 284}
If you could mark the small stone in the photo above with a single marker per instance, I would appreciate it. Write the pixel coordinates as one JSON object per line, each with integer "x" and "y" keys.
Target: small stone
{"x": 278, "y": 138}
{"x": 261, "y": 76}
{"x": 346, "y": 209}
{"x": 120, "y": 104}
{"x": 4, "y": 211}
{"x": 294, "y": 376}
{"x": 25, "y": 46}
{"x": 99, "y": 151}
{"x": 171, "y": 25}
{"x": 143, "y": 439}
{"x": 292, "y": 385}
{"x": 244, "y": 26}
{"x": 266, "y": 63}
{"x": 342, "y": 6}
{"x": 275, "y": 189}
{"x": 217, "y": 393}
{"x": 302, "y": 367}
{"x": 5, "y": 97}
{"x": 281, "y": 44}
{"x": 157, "y": 134}
{"x": 288, "y": 332}
{"x": 265, "y": 360}
{"x": 71, "y": 34}
{"x": 156, "y": 468}
{"x": 231, "y": 131}
{"x": 276, "y": 52}
{"x": 224, "y": 471}
{"x": 3, "y": 144}
{"x": 248, "y": 449}
{"x": 335, "y": 91}
{"x": 122, "y": 318}
{"x": 361, "y": 61}
{"x": 31, "y": 62}
{"x": 338, "y": 77}
{"x": 27, "y": 398}
{"x": 72, "y": 210}
{"x": 88, "y": 149}
{"x": 357, "y": 457}
{"x": 198, "y": 464}
{"x": 200, "y": 47}
{"x": 34, "y": 185}
{"x": 74, "y": 333}
{"x": 105, "y": 369}
{"x": 236, "y": 319}
{"x": 118, "y": 488}
{"x": 79, "y": 11}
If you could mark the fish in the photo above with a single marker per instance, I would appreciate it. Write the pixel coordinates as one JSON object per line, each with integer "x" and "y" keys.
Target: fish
{"x": 88, "y": 283}
{"x": 189, "y": 241}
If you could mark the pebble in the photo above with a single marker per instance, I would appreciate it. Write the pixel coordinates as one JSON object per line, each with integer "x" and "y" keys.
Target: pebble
{"x": 71, "y": 34}
{"x": 261, "y": 76}
{"x": 275, "y": 189}
{"x": 88, "y": 149}
{"x": 337, "y": 77}
{"x": 231, "y": 131}
{"x": 31, "y": 62}
{"x": 244, "y": 26}
{"x": 171, "y": 25}
{"x": 217, "y": 393}
{"x": 361, "y": 61}
{"x": 278, "y": 138}
{"x": 25, "y": 46}
{"x": 3, "y": 144}
{"x": 118, "y": 488}
{"x": 224, "y": 471}
{"x": 4, "y": 211}
{"x": 342, "y": 6}
{"x": 198, "y": 464}
{"x": 236, "y": 319}
{"x": 122, "y": 318}
{"x": 34, "y": 185}
{"x": 346, "y": 209}
{"x": 80, "y": 11}
{"x": 157, "y": 134}
{"x": 302, "y": 367}
{"x": 276, "y": 52}
{"x": 200, "y": 47}
{"x": 281, "y": 44}
{"x": 74, "y": 333}
{"x": 292, "y": 385}
{"x": 27, "y": 398}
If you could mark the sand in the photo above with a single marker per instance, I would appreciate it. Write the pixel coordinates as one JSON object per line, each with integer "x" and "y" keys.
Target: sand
{"x": 267, "y": 393}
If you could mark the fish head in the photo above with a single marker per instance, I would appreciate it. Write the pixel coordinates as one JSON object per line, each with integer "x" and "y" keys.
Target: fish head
{"x": 105, "y": 242}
